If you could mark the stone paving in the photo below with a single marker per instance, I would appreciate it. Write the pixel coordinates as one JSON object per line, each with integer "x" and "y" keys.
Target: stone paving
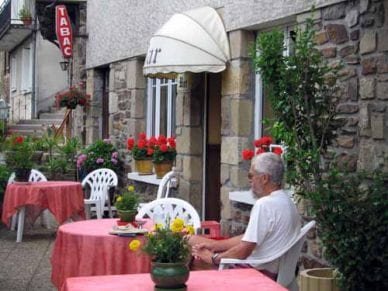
{"x": 26, "y": 265}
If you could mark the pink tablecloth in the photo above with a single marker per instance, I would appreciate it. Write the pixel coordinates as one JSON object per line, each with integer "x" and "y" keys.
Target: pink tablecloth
{"x": 63, "y": 198}
{"x": 237, "y": 279}
{"x": 85, "y": 248}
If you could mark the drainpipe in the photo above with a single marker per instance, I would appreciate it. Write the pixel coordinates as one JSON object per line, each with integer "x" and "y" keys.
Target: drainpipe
{"x": 33, "y": 92}
{"x": 204, "y": 153}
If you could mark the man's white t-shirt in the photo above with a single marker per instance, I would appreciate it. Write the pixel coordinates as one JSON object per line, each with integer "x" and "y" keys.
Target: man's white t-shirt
{"x": 273, "y": 224}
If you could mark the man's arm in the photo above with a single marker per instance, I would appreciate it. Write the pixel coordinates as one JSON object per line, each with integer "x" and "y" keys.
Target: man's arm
{"x": 239, "y": 250}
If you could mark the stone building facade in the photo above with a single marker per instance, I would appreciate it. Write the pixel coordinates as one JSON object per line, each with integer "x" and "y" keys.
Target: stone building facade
{"x": 349, "y": 32}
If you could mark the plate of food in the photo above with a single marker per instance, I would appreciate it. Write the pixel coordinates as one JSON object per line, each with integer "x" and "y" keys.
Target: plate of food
{"x": 127, "y": 230}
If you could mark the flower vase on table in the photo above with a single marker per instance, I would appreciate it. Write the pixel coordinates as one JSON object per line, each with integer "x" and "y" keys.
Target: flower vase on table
{"x": 126, "y": 205}
{"x": 170, "y": 276}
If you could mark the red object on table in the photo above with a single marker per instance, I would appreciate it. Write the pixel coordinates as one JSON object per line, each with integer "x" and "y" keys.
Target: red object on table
{"x": 64, "y": 199}
{"x": 234, "y": 279}
{"x": 85, "y": 248}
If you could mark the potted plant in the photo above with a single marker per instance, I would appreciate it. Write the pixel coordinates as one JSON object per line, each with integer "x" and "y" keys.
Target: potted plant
{"x": 302, "y": 90}
{"x": 71, "y": 98}
{"x": 100, "y": 154}
{"x": 25, "y": 15}
{"x": 164, "y": 155}
{"x": 142, "y": 151}
{"x": 18, "y": 156}
{"x": 170, "y": 253}
{"x": 127, "y": 204}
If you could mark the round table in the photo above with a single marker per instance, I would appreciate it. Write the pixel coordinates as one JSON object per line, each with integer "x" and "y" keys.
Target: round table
{"x": 85, "y": 248}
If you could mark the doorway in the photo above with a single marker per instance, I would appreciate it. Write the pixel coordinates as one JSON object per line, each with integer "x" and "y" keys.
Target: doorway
{"x": 213, "y": 147}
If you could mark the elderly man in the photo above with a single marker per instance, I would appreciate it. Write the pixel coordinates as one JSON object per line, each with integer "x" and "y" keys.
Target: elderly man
{"x": 274, "y": 221}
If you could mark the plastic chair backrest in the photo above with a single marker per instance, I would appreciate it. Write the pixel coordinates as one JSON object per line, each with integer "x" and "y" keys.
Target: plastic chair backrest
{"x": 99, "y": 181}
{"x": 35, "y": 176}
{"x": 168, "y": 181}
{"x": 289, "y": 260}
{"x": 171, "y": 208}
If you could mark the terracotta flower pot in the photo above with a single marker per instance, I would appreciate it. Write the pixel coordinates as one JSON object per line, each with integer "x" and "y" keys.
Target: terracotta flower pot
{"x": 144, "y": 167}
{"x": 162, "y": 169}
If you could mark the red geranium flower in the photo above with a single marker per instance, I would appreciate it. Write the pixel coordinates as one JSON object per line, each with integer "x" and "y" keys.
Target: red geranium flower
{"x": 247, "y": 154}
{"x": 130, "y": 143}
{"x": 163, "y": 148}
{"x": 162, "y": 139}
{"x": 141, "y": 143}
{"x": 277, "y": 150}
{"x": 142, "y": 136}
{"x": 19, "y": 140}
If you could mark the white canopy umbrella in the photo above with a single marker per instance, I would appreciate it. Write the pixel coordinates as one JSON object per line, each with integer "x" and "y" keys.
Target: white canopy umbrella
{"x": 191, "y": 41}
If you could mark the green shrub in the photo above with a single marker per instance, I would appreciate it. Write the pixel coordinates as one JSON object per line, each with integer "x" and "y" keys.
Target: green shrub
{"x": 352, "y": 212}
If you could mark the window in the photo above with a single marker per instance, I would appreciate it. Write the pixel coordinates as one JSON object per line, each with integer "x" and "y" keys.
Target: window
{"x": 161, "y": 94}
{"x": 13, "y": 73}
{"x": 26, "y": 69}
{"x": 263, "y": 109}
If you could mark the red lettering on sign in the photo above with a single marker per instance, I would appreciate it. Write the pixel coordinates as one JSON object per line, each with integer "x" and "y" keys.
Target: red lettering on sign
{"x": 64, "y": 31}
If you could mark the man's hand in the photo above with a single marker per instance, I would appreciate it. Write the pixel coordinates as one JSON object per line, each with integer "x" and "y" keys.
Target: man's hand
{"x": 201, "y": 252}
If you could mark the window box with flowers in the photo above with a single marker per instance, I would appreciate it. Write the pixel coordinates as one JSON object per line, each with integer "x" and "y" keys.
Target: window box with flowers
{"x": 164, "y": 155}
{"x": 168, "y": 247}
{"x": 71, "y": 98}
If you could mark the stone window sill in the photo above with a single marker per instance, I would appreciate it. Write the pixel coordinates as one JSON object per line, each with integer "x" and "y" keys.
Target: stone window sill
{"x": 149, "y": 179}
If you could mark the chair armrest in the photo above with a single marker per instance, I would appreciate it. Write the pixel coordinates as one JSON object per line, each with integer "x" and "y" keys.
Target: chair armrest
{"x": 226, "y": 261}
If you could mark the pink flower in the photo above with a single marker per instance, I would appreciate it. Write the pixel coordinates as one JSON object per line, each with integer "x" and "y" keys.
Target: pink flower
{"x": 100, "y": 161}
{"x": 115, "y": 155}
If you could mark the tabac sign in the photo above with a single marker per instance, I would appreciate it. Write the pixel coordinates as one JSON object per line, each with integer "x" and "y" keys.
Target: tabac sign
{"x": 64, "y": 31}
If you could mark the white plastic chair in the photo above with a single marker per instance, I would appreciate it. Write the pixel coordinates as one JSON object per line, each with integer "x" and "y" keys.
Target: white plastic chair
{"x": 99, "y": 182}
{"x": 161, "y": 209}
{"x": 35, "y": 176}
{"x": 170, "y": 180}
{"x": 288, "y": 259}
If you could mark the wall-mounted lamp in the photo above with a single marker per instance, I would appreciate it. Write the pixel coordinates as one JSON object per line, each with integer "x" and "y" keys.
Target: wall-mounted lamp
{"x": 64, "y": 65}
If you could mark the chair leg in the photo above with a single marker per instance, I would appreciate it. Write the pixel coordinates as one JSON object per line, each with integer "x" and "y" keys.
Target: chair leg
{"x": 110, "y": 209}
{"x": 21, "y": 216}
{"x": 14, "y": 220}
{"x": 45, "y": 219}
{"x": 87, "y": 211}
{"x": 98, "y": 210}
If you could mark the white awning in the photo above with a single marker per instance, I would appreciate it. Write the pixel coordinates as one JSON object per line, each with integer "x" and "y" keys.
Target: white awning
{"x": 191, "y": 41}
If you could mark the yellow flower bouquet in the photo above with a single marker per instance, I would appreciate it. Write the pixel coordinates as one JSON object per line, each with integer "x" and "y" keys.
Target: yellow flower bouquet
{"x": 167, "y": 243}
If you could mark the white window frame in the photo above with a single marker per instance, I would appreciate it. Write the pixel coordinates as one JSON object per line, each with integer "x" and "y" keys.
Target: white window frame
{"x": 258, "y": 115}
{"x": 26, "y": 72}
{"x": 13, "y": 70}
{"x": 153, "y": 118}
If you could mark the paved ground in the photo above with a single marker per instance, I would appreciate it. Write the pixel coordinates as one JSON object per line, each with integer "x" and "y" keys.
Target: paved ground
{"x": 26, "y": 265}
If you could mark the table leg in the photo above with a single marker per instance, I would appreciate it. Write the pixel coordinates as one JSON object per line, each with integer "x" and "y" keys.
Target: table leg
{"x": 21, "y": 216}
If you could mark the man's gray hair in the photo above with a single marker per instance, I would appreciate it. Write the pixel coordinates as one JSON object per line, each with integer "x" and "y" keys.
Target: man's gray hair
{"x": 270, "y": 163}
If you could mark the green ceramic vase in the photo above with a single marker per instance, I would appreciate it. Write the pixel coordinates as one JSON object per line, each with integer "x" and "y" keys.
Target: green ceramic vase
{"x": 170, "y": 276}
{"x": 127, "y": 215}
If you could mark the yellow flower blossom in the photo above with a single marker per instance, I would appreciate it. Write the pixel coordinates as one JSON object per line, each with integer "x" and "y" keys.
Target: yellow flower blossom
{"x": 119, "y": 198}
{"x": 177, "y": 225}
{"x": 189, "y": 229}
{"x": 131, "y": 188}
{"x": 134, "y": 245}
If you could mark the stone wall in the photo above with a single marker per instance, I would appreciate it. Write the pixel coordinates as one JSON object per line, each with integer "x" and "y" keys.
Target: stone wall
{"x": 237, "y": 103}
{"x": 354, "y": 34}
{"x": 189, "y": 138}
{"x": 79, "y": 75}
